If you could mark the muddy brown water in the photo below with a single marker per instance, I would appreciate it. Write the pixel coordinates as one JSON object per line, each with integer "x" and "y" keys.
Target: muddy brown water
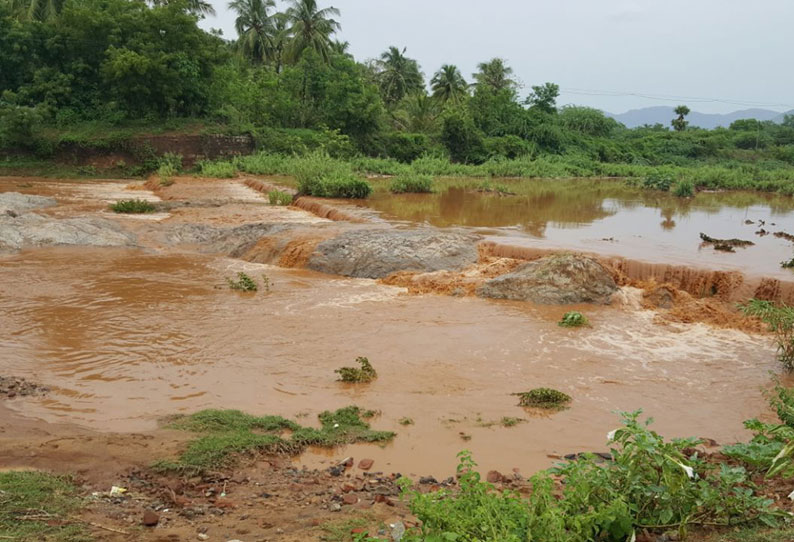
{"x": 610, "y": 218}
{"x": 126, "y": 336}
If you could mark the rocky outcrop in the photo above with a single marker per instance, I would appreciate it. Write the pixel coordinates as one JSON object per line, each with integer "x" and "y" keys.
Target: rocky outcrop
{"x": 233, "y": 241}
{"x": 12, "y": 203}
{"x": 562, "y": 279}
{"x": 378, "y": 253}
{"x": 32, "y": 230}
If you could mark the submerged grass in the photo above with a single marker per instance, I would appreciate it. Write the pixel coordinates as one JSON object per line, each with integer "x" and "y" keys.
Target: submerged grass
{"x": 225, "y": 434}
{"x": 573, "y": 319}
{"x": 36, "y": 506}
{"x": 543, "y": 398}
{"x": 363, "y": 374}
{"x": 133, "y": 206}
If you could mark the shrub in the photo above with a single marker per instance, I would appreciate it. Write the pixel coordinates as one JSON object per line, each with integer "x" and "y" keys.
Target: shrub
{"x": 650, "y": 484}
{"x": 684, "y": 189}
{"x": 219, "y": 170}
{"x": 319, "y": 175}
{"x": 244, "y": 283}
{"x": 657, "y": 181}
{"x": 263, "y": 164}
{"x": 780, "y": 319}
{"x": 363, "y": 374}
{"x": 277, "y": 197}
{"x": 543, "y": 398}
{"x": 133, "y": 206}
{"x": 412, "y": 182}
{"x": 573, "y": 319}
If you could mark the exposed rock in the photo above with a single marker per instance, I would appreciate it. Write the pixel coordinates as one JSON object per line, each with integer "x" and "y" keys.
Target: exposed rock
{"x": 12, "y": 387}
{"x": 561, "y": 279}
{"x": 230, "y": 241}
{"x": 494, "y": 477}
{"x": 11, "y": 203}
{"x": 365, "y": 464}
{"x": 150, "y": 518}
{"x": 350, "y": 499}
{"x": 32, "y": 230}
{"x": 378, "y": 253}
{"x": 661, "y": 297}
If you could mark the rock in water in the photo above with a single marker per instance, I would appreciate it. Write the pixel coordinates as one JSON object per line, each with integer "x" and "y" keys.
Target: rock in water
{"x": 16, "y": 202}
{"x": 32, "y": 230}
{"x": 562, "y": 279}
{"x": 376, "y": 254}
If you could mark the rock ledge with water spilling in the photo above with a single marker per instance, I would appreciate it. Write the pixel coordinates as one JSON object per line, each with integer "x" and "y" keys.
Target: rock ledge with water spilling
{"x": 376, "y": 254}
{"x": 562, "y": 279}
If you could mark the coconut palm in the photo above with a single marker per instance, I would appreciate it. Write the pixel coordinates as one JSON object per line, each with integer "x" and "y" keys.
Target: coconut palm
{"x": 397, "y": 75}
{"x": 311, "y": 28}
{"x": 199, "y": 8}
{"x": 39, "y": 10}
{"x": 495, "y": 74}
{"x": 417, "y": 112}
{"x": 448, "y": 84}
{"x": 255, "y": 28}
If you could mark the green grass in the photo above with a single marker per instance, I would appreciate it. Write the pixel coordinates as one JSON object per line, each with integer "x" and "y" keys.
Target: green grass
{"x": 218, "y": 170}
{"x": 244, "y": 283}
{"x": 752, "y": 534}
{"x": 543, "y": 398}
{"x": 35, "y": 506}
{"x": 411, "y": 183}
{"x": 277, "y": 197}
{"x": 133, "y": 206}
{"x": 573, "y": 319}
{"x": 225, "y": 434}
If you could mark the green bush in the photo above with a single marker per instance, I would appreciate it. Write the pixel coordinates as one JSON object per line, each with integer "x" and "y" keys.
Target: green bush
{"x": 780, "y": 319}
{"x": 319, "y": 175}
{"x": 244, "y": 283}
{"x": 684, "y": 189}
{"x": 218, "y": 170}
{"x": 133, "y": 206}
{"x": 573, "y": 319}
{"x": 543, "y": 398}
{"x": 277, "y": 197}
{"x": 411, "y": 182}
{"x": 363, "y": 374}
{"x": 650, "y": 484}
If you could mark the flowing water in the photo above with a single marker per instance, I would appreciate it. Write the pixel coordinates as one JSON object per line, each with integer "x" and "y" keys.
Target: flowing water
{"x": 126, "y": 336}
{"x": 610, "y": 218}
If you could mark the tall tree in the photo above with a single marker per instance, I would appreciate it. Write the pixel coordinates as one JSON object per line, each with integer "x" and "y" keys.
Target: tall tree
{"x": 544, "y": 97}
{"x": 311, "y": 28}
{"x": 41, "y": 10}
{"x": 255, "y": 28}
{"x": 448, "y": 84}
{"x": 495, "y": 74}
{"x": 199, "y": 8}
{"x": 680, "y": 123}
{"x": 397, "y": 75}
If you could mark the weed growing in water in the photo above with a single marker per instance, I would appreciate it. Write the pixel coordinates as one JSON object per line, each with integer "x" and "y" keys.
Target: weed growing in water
{"x": 277, "y": 197}
{"x": 780, "y": 319}
{"x": 788, "y": 264}
{"x": 406, "y": 421}
{"x": 266, "y": 283}
{"x": 319, "y": 175}
{"x": 543, "y": 398}
{"x": 37, "y": 506}
{"x": 684, "y": 189}
{"x": 573, "y": 319}
{"x": 363, "y": 374}
{"x": 725, "y": 245}
{"x": 510, "y": 422}
{"x": 244, "y": 283}
{"x": 132, "y": 206}
{"x": 225, "y": 434}
{"x": 411, "y": 183}
{"x": 651, "y": 484}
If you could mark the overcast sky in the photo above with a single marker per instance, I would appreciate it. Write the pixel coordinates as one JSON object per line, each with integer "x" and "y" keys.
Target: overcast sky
{"x": 736, "y": 51}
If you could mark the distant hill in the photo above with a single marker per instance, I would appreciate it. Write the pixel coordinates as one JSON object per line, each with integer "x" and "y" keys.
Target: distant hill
{"x": 664, "y": 114}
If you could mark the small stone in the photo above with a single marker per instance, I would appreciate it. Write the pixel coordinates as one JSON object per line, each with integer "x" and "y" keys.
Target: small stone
{"x": 150, "y": 518}
{"x": 335, "y": 507}
{"x": 494, "y": 477}
{"x": 365, "y": 464}
{"x": 350, "y": 499}
{"x": 203, "y": 536}
{"x": 347, "y": 488}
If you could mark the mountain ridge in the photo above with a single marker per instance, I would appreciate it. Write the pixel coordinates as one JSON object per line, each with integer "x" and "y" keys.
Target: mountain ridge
{"x": 664, "y": 114}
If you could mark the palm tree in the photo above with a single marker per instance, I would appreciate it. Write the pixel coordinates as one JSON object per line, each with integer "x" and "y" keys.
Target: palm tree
{"x": 495, "y": 74}
{"x": 448, "y": 84}
{"x": 417, "y": 112}
{"x": 280, "y": 40}
{"x": 311, "y": 28}
{"x": 397, "y": 75}
{"x": 255, "y": 28}
{"x": 199, "y": 8}
{"x": 40, "y": 10}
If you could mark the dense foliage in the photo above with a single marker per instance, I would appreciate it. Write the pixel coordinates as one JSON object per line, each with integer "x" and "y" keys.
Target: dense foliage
{"x": 74, "y": 71}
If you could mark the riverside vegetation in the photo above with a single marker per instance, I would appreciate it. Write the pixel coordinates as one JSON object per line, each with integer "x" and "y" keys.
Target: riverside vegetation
{"x": 94, "y": 76}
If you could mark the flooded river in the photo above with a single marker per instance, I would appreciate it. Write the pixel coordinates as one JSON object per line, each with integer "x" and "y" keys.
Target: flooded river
{"x": 125, "y": 336}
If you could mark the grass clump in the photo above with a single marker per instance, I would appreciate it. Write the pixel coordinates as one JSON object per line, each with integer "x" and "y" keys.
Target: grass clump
{"x": 225, "y": 434}
{"x": 508, "y": 421}
{"x": 780, "y": 319}
{"x": 244, "y": 283}
{"x": 543, "y": 398}
{"x": 277, "y": 197}
{"x": 321, "y": 176}
{"x": 684, "y": 189}
{"x": 651, "y": 484}
{"x": 573, "y": 319}
{"x": 133, "y": 206}
{"x": 406, "y": 421}
{"x": 36, "y": 506}
{"x": 365, "y": 373}
{"x": 411, "y": 183}
{"x": 218, "y": 170}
